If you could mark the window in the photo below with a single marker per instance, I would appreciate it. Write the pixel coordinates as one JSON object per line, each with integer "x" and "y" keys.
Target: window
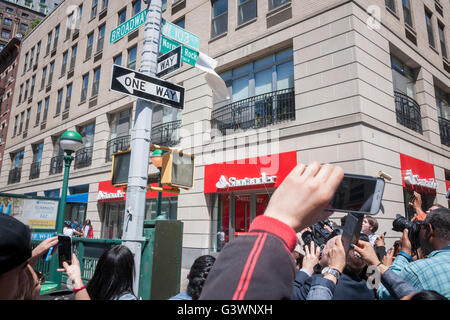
{"x": 163, "y": 5}
{"x": 136, "y": 7}
{"x": 17, "y": 159}
{"x": 219, "y": 21}
{"x": 430, "y": 31}
{"x": 27, "y": 122}
{"x": 64, "y": 63}
{"x": 101, "y": 38}
{"x": 122, "y": 16}
{"x": 5, "y": 34}
{"x": 441, "y": 32}
{"x": 49, "y": 42}
{"x": 27, "y": 84}
{"x": 104, "y": 5}
{"x": 33, "y": 83}
{"x": 181, "y": 22}
{"x": 44, "y": 75}
{"x": 50, "y": 74}
{"x": 78, "y": 17}
{"x": 96, "y": 82}
{"x": 7, "y": 22}
{"x": 68, "y": 96}
{"x": 132, "y": 58}
{"x": 23, "y": 27}
{"x": 443, "y": 105}
{"x": 55, "y": 44}
{"x": 276, "y": 3}
{"x": 94, "y": 8}
{"x": 59, "y": 101}
{"x": 16, "y": 123}
{"x": 47, "y": 104}
{"x": 25, "y": 63}
{"x": 38, "y": 113}
{"x": 247, "y": 10}
{"x": 90, "y": 42}
{"x": 84, "y": 87}
{"x": 69, "y": 25}
{"x": 118, "y": 60}
{"x": 21, "y": 92}
{"x": 22, "y": 118}
{"x": 31, "y": 58}
{"x": 407, "y": 12}
{"x": 38, "y": 51}
{"x": 74, "y": 57}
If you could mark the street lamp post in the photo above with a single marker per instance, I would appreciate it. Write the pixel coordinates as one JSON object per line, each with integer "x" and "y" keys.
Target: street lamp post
{"x": 70, "y": 142}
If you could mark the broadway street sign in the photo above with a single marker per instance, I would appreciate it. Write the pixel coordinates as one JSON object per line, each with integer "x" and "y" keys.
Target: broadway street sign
{"x": 168, "y": 62}
{"x": 140, "y": 85}
{"x": 128, "y": 26}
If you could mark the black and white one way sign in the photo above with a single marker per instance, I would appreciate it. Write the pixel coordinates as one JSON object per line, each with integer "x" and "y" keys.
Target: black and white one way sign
{"x": 153, "y": 89}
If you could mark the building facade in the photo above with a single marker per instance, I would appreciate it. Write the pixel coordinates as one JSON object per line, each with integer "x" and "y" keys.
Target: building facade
{"x": 42, "y": 6}
{"x": 15, "y": 21}
{"x": 361, "y": 84}
{"x": 9, "y": 59}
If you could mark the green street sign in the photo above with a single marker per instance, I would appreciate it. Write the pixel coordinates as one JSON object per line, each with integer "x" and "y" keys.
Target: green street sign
{"x": 187, "y": 54}
{"x": 128, "y": 26}
{"x": 180, "y": 35}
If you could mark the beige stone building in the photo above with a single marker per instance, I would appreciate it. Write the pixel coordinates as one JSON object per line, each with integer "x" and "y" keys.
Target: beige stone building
{"x": 361, "y": 84}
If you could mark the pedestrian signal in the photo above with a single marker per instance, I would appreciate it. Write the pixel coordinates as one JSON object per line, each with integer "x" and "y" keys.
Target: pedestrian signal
{"x": 178, "y": 169}
{"x": 120, "y": 168}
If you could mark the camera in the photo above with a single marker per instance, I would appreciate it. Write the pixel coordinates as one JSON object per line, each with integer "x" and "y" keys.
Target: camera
{"x": 401, "y": 223}
{"x": 319, "y": 234}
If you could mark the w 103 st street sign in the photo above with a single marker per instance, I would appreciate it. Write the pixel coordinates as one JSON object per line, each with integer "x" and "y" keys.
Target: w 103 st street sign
{"x": 153, "y": 89}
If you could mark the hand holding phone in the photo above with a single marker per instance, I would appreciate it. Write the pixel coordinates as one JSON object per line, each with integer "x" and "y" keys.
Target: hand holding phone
{"x": 64, "y": 250}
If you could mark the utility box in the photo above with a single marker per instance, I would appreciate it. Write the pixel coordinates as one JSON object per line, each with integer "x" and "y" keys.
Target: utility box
{"x": 161, "y": 259}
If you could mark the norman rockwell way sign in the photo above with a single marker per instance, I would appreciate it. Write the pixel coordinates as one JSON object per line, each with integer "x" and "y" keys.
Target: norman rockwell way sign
{"x": 153, "y": 89}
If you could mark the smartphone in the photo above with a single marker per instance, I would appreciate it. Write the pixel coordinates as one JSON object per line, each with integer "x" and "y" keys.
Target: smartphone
{"x": 64, "y": 250}
{"x": 352, "y": 230}
{"x": 358, "y": 194}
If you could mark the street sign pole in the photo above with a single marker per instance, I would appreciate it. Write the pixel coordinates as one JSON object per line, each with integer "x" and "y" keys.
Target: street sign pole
{"x": 133, "y": 226}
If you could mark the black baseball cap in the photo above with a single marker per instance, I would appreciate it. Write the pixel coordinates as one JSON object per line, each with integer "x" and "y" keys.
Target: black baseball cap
{"x": 15, "y": 243}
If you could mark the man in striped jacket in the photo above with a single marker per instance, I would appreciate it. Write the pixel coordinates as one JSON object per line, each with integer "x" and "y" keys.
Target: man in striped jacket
{"x": 259, "y": 265}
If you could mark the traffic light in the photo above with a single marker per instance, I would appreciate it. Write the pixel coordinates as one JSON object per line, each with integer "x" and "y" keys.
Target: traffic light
{"x": 120, "y": 168}
{"x": 178, "y": 169}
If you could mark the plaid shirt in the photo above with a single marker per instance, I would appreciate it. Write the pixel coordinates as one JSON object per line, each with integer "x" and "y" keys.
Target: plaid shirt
{"x": 432, "y": 273}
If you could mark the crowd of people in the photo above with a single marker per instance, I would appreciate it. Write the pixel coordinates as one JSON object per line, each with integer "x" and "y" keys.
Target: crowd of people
{"x": 264, "y": 263}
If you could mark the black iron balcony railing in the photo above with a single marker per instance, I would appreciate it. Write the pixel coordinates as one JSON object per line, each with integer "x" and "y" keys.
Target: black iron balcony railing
{"x": 255, "y": 112}
{"x": 408, "y": 112}
{"x": 117, "y": 144}
{"x": 444, "y": 127}
{"x": 56, "y": 164}
{"x": 83, "y": 157}
{"x": 14, "y": 175}
{"x": 166, "y": 134}
{"x": 35, "y": 170}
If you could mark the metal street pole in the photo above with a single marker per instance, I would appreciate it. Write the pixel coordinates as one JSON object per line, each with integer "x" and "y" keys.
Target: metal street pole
{"x": 62, "y": 203}
{"x": 140, "y": 145}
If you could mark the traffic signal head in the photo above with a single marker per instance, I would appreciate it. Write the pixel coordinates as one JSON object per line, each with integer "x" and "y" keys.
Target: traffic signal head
{"x": 178, "y": 170}
{"x": 120, "y": 168}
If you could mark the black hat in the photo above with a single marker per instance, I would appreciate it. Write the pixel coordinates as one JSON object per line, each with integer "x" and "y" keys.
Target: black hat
{"x": 15, "y": 243}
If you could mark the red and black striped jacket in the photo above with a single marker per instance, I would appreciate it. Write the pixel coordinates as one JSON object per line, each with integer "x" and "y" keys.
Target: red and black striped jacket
{"x": 257, "y": 265}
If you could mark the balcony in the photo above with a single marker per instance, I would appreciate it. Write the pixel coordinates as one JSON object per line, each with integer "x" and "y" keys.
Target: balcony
{"x": 255, "y": 112}
{"x": 35, "y": 170}
{"x": 14, "y": 175}
{"x": 56, "y": 164}
{"x": 117, "y": 144}
{"x": 408, "y": 112}
{"x": 83, "y": 157}
{"x": 166, "y": 134}
{"x": 444, "y": 128}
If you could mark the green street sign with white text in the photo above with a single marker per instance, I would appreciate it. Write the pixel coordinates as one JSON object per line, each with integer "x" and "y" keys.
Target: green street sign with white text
{"x": 188, "y": 55}
{"x": 180, "y": 35}
{"x": 128, "y": 26}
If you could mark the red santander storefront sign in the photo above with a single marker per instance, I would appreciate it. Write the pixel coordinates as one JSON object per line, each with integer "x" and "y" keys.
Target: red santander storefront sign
{"x": 252, "y": 173}
{"x": 109, "y": 193}
{"x": 417, "y": 175}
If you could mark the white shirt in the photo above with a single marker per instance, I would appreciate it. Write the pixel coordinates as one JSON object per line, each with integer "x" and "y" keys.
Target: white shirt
{"x": 68, "y": 232}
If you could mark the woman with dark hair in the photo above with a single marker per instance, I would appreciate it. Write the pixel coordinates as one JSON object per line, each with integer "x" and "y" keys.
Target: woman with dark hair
{"x": 88, "y": 232}
{"x": 196, "y": 276}
{"x": 112, "y": 279}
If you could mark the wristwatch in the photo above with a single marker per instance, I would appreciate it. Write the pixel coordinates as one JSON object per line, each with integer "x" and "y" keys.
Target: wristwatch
{"x": 332, "y": 271}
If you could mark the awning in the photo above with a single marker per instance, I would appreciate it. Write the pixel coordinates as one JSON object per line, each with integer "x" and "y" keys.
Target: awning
{"x": 78, "y": 198}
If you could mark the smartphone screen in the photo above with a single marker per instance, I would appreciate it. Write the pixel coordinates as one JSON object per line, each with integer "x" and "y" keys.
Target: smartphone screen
{"x": 355, "y": 194}
{"x": 352, "y": 230}
{"x": 64, "y": 250}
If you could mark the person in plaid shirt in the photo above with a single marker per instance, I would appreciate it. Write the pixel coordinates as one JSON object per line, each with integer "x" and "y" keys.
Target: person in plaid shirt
{"x": 433, "y": 272}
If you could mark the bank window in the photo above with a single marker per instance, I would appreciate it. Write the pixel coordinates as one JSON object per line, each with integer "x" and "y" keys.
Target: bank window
{"x": 247, "y": 10}
{"x": 277, "y": 3}
{"x": 169, "y": 207}
{"x": 219, "y": 19}
{"x": 112, "y": 220}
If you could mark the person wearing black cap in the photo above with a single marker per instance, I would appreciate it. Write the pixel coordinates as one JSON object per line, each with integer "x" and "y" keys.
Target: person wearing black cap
{"x": 15, "y": 250}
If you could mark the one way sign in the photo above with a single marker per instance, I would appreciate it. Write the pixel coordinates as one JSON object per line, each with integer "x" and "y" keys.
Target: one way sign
{"x": 153, "y": 89}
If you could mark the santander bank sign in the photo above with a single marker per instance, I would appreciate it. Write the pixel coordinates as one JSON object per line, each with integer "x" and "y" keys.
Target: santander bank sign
{"x": 223, "y": 183}
{"x": 414, "y": 180}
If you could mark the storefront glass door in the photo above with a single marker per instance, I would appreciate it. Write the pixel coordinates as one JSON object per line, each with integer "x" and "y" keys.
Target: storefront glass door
{"x": 233, "y": 214}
